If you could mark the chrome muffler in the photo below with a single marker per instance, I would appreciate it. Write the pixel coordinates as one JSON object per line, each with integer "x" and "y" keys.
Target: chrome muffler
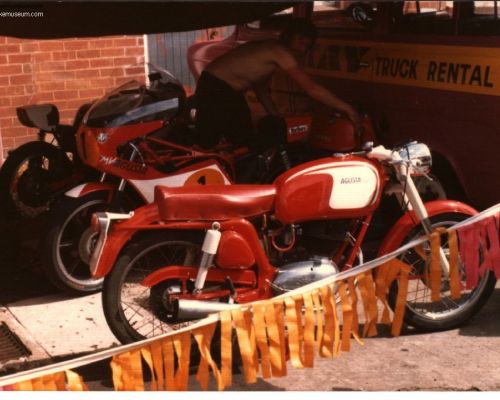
{"x": 196, "y": 309}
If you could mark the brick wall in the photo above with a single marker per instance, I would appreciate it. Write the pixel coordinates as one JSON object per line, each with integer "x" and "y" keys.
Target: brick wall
{"x": 64, "y": 72}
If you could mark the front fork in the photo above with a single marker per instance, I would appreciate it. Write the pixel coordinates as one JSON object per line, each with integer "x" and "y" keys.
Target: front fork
{"x": 417, "y": 205}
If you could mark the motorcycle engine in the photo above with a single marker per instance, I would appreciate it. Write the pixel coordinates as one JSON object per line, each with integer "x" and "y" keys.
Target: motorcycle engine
{"x": 294, "y": 275}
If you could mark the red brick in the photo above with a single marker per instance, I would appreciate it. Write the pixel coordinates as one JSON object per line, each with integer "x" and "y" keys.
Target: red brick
{"x": 140, "y": 41}
{"x": 63, "y": 55}
{"x": 65, "y": 94}
{"x": 63, "y": 75}
{"x": 29, "y": 89}
{"x": 87, "y": 73}
{"x": 74, "y": 104}
{"x": 7, "y": 122}
{"x": 42, "y": 57}
{"x": 51, "y": 45}
{"x": 52, "y": 66}
{"x": 79, "y": 64}
{"x": 134, "y": 51}
{"x": 101, "y": 62}
{"x": 134, "y": 71}
{"x": 19, "y": 101}
{"x": 14, "y": 90}
{"x": 7, "y": 112}
{"x": 78, "y": 84}
{"x": 4, "y": 80}
{"x": 125, "y": 42}
{"x": 125, "y": 61}
{"x": 120, "y": 81}
{"x": 7, "y": 143}
{"x": 29, "y": 47}
{"x": 3, "y": 60}
{"x": 13, "y": 40}
{"x": 41, "y": 97}
{"x": 13, "y": 131}
{"x": 4, "y": 101}
{"x": 10, "y": 48}
{"x": 100, "y": 43}
{"x": 102, "y": 83}
{"x": 112, "y": 72}
{"x": 19, "y": 58}
{"x": 90, "y": 93}
{"x": 20, "y": 79}
{"x": 27, "y": 68}
{"x": 113, "y": 52}
{"x": 3, "y": 39}
{"x": 76, "y": 45}
{"x": 50, "y": 86}
{"x": 11, "y": 69}
{"x": 88, "y": 53}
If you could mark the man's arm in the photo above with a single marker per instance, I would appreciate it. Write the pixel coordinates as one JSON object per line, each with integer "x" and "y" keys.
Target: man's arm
{"x": 288, "y": 63}
{"x": 263, "y": 93}
{"x": 319, "y": 93}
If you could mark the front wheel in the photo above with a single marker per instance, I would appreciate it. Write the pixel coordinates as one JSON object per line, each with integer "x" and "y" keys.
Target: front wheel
{"x": 68, "y": 243}
{"x": 421, "y": 312}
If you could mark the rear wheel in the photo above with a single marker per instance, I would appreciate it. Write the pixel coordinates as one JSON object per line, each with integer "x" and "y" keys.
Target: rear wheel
{"x": 134, "y": 311}
{"x": 421, "y": 312}
{"x": 30, "y": 177}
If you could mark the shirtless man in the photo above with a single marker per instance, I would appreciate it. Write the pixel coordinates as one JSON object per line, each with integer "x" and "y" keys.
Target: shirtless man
{"x": 222, "y": 110}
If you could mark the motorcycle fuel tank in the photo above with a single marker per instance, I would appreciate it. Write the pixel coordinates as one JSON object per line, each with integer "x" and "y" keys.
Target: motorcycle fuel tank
{"x": 330, "y": 188}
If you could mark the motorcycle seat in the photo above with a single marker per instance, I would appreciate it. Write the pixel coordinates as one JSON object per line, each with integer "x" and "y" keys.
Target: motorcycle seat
{"x": 213, "y": 202}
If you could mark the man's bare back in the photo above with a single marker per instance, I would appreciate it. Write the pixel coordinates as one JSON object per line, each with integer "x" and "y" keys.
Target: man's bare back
{"x": 251, "y": 63}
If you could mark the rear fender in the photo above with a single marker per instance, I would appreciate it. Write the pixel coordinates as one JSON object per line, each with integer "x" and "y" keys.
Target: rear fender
{"x": 91, "y": 187}
{"x": 408, "y": 222}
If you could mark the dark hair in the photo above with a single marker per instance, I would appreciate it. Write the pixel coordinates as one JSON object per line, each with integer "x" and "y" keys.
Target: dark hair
{"x": 301, "y": 26}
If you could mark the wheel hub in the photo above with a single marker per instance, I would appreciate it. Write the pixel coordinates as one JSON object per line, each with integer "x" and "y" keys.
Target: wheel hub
{"x": 86, "y": 244}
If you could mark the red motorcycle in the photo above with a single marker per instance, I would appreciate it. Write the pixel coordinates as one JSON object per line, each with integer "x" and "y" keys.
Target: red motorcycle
{"x": 139, "y": 136}
{"x": 198, "y": 249}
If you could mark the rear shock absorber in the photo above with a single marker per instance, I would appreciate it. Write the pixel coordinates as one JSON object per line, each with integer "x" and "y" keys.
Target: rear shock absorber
{"x": 208, "y": 250}
{"x": 285, "y": 159}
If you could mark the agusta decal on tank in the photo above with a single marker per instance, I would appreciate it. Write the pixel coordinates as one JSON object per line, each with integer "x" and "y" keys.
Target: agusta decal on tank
{"x": 341, "y": 187}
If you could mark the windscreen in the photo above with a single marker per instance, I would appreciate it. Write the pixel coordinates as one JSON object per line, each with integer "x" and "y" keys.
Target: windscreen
{"x": 159, "y": 97}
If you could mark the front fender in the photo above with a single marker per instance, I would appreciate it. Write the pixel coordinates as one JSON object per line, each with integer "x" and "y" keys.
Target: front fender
{"x": 407, "y": 222}
{"x": 91, "y": 187}
{"x": 120, "y": 234}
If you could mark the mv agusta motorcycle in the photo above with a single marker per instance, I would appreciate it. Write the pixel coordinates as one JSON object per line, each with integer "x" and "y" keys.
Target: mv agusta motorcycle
{"x": 139, "y": 136}
{"x": 197, "y": 250}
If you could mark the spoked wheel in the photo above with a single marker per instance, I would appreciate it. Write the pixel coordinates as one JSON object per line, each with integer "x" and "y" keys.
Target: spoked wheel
{"x": 68, "y": 244}
{"x": 447, "y": 313}
{"x": 30, "y": 177}
{"x": 134, "y": 311}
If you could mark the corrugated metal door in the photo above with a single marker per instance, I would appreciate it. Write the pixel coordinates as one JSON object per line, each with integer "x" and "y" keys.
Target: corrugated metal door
{"x": 169, "y": 50}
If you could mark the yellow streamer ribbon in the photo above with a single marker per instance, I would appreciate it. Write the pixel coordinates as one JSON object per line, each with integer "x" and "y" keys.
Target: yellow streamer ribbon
{"x": 182, "y": 345}
{"x": 261, "y": 337}
{"x": 275, "y": 331}
{"x": 247, "y": 356}
{"x": 226, "y": 347}
{"x": 308, "y": 330}
{"x": 168, "y": 351}
{"x": 435, "y": 267}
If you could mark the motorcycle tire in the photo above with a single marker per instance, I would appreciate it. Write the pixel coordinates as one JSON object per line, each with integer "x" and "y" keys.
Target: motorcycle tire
{"x": 26, "y": 177}
{"x": 66, "y": 247}
{"x": 131, "y": 267}
{"x": 446, "y": 314}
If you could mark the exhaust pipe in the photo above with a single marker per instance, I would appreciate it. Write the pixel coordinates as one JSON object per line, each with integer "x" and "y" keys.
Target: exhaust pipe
{"x": 196, "y": 309}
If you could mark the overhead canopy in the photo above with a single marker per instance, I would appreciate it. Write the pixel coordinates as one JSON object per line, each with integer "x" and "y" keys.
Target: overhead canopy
{"x": 78, "y": 19}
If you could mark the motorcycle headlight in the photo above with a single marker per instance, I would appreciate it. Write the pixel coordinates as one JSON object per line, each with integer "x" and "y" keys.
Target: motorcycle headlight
{"x": 419, "y": 156}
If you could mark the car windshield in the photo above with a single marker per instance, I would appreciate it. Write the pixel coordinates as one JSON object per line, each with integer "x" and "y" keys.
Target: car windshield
{"x": 158, "y": 97}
